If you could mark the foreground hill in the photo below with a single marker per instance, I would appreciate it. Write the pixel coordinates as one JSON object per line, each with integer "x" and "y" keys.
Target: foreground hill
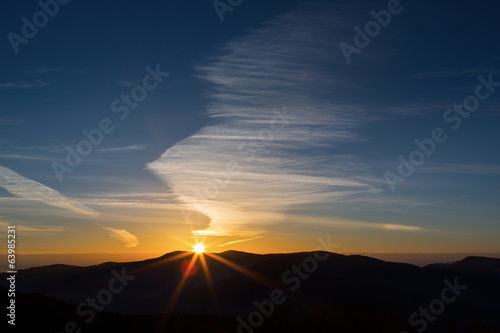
{"x": 338, "y": 294}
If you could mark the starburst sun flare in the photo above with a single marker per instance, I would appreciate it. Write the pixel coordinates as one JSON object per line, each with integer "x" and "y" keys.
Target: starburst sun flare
{"x": 199, "y": 248}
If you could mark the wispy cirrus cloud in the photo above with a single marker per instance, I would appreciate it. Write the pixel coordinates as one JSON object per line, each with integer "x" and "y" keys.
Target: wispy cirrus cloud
{"x": 133, "y": 200}
{"x": 239, "y": 241}
{"x": 29, "y": 189}
{"x": 123, "y": 236}
{"x": 24, "y": 157}
{"x": 23, "y": 84}
{"x": 35, "y": 228}
{"x": 124, "y": 148}
{"x": 345, "y": 223}
{"x": 276, "y": 126}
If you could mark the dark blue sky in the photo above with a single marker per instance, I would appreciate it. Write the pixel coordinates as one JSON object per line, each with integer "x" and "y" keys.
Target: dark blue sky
{"x": 324, "y": 171}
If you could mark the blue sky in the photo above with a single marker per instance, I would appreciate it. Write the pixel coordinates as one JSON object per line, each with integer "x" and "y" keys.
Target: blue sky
{"x": 262, "y": 134}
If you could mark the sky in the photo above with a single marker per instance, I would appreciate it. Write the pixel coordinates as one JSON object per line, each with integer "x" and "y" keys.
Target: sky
{"x": 146, "y": 126}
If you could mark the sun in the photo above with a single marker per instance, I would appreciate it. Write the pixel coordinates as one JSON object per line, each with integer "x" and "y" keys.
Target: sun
{"x": 199, "y": 248}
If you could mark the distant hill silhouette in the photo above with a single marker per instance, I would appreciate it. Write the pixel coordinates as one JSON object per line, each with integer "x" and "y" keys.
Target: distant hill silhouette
{"x": 345, "y": 294}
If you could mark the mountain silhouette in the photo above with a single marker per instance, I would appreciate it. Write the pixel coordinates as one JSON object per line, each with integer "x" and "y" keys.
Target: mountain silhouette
{"x": 340, "y": 294}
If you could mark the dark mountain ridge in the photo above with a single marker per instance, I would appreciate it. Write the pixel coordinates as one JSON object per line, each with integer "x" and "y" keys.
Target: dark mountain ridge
{"x": 337, "y": 283}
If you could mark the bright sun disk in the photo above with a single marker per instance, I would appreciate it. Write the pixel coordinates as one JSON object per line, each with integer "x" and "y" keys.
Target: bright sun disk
{"x": 199, "y": 248}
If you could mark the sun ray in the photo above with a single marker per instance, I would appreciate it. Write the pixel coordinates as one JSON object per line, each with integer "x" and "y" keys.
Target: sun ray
{"x": 180, "y": 286}
{"x": 162, "y": 320}
{"x": 255, "y": 276}
{"x": 199, "y": 252}
{"x": 209, "y": 280}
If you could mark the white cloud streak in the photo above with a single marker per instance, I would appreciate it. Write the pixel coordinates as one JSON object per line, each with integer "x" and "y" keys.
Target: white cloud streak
{"x": 29, "y": 189}
{"x": 344, "y": 223}
{"x": 23, "y": 84}
{"x": 239, "y": 241}
{"x": 249, "y": 166}
{"x": 124, "y": 148}
{"x": 24, "y": 157}
{"x": 123, "y": 236}
{"x": 37, "y": 228}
